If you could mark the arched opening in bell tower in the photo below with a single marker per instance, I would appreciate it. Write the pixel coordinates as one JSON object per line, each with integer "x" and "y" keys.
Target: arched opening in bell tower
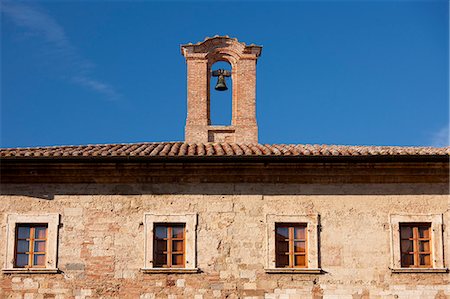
{"x": 220, "y": 94}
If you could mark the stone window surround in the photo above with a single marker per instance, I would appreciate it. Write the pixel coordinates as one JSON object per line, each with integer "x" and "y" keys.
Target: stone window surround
{"x": 437, "y": 245}
{"x": 190, "y": 220}
{"x": 12, "y": 220}
{"x": 312, "y": 222}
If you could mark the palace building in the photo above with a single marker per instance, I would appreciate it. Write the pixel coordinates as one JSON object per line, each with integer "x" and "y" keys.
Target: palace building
{"x": 222, "y": 216}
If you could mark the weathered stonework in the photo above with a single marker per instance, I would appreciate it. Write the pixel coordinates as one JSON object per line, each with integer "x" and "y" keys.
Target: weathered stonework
{"x": 101, "y": 240}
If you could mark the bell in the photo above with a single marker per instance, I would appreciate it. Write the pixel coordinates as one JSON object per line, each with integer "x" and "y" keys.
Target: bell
{"x": 221, "y": 85}
{"x": 221, "y": 74}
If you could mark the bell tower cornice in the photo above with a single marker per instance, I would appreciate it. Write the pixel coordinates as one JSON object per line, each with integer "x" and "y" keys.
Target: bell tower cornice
{"x": 216, "y": 44}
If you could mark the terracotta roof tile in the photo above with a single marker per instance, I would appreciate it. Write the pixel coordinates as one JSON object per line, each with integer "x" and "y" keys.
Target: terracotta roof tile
{"x": 192, "y": 150}
{"x": 179, "y": 149}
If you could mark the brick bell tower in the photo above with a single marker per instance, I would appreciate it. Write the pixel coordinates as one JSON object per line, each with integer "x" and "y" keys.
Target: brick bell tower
{"x": 199, "y": 58}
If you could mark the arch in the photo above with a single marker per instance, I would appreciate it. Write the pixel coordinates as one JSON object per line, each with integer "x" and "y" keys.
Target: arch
{"x": 223, "y": 55}
{"x": 220, "y": 103}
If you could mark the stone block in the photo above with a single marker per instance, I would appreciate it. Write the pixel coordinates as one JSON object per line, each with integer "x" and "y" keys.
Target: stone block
{"x": 217, "y": 286}
{"x": 27, "y": 284}
{"x": 73, "y": 212}
{"x": 250, "y": 274}
{"x": 75, "y": 266}
{"x": 250, "y": 286}
{"x": 128, "y": 274}
{"x": 224, "y": 274}
{"x": 220, "y": 207}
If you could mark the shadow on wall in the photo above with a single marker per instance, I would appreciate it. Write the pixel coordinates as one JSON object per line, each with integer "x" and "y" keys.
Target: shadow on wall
{"x": 48, "y": 191}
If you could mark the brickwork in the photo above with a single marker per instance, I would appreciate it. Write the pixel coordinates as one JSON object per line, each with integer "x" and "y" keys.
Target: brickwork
{"x": 242, "y": 58}
{"x": 101, "y": 240}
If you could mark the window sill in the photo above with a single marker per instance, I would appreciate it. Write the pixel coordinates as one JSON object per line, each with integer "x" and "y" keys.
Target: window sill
{"x": 169, "y": 270}
{"x": 419, "y": 270}
{"x": 30, "y": 271}
{"x": 294, "y": 271}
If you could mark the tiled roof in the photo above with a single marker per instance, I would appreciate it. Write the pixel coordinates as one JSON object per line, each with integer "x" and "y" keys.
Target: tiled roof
{"x": 179, "y": 149}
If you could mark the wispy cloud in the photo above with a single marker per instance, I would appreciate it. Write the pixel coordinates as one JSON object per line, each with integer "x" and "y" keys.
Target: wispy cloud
{"x": 97, "y": 86}
{"x": 441, "y": 138}
{"x": 40, "y": 24}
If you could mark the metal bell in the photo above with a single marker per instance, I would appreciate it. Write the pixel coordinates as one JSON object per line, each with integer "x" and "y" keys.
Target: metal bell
{"x": 221, "y": 74}
{"x": 221, "y": 84}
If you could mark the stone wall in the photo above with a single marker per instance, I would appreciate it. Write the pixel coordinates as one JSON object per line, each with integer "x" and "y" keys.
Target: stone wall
{"x": 101, "y": 240}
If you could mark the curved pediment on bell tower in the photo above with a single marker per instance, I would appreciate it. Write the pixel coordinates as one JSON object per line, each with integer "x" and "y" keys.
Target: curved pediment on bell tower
{"x": 220, "y": 44}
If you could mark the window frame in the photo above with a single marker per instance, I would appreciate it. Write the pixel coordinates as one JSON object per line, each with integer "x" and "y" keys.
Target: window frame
{"x": 190, "y": 221}
{"x": 312, "y": 248}
{"x": 168, "y": 240}
{"x": 415, "y": 241}
{"x": 13, "y": 221}
{"x": 31, "y": 239}
{"x": 291, "y": 243}
{"x": 436, "y": 241}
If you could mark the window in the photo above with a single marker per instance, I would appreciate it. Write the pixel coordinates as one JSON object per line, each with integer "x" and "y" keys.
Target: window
{"x": 31, "y": 243}
{"x": 292, "y": 244}
{"x": 417, "y": 243}
{"x": 170, "y": 243}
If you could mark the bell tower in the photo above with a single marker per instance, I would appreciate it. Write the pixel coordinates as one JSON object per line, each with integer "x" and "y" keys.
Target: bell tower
{"x": 199, "y": 58}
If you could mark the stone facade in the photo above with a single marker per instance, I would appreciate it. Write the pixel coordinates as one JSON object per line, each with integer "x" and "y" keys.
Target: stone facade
{"x": 101, "y": 240}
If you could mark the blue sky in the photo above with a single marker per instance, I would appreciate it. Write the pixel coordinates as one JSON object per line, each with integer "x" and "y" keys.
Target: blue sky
{"x": 331, "y": 72}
